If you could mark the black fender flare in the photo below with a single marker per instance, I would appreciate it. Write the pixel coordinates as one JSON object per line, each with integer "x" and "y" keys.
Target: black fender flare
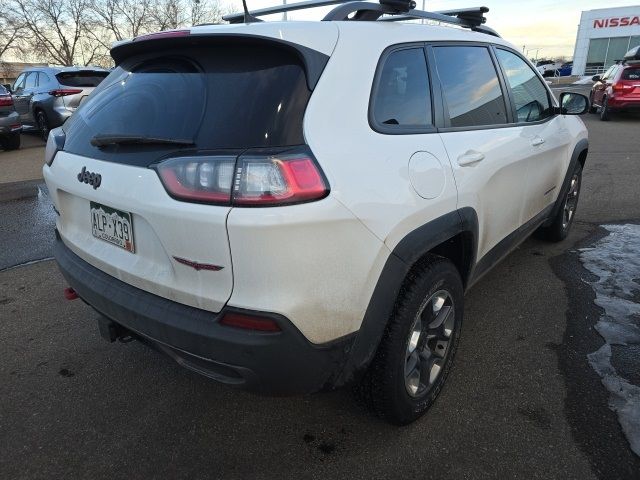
{"x": 398, "y": 266}
{"x": 581, "y": 147}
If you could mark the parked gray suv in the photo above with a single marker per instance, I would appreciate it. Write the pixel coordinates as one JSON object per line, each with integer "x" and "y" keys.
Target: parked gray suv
{"x": 45, "y": 97}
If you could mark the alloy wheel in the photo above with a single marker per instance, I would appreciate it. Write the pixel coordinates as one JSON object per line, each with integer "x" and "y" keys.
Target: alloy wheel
{"x": 428, "y": 343}
{"x": 571, "y": 201}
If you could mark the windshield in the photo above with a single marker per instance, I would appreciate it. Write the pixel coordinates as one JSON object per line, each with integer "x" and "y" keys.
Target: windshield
{"x": 216, "y": 97}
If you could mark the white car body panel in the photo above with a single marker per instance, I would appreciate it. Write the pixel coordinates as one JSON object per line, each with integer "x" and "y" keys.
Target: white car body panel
{"x": 163, "y": 228}
{"x": 318, "y": 263}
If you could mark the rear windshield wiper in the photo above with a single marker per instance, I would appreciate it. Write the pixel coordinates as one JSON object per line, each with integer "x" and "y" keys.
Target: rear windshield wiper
{"x": 104, "y": 140}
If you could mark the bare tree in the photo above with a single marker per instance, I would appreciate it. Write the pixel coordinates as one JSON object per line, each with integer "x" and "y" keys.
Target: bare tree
{"x": 57, "y": 29}
{"x": 12, "y": 33}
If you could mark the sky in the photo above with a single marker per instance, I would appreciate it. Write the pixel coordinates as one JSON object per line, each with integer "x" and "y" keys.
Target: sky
{"x": 545, "y": 28}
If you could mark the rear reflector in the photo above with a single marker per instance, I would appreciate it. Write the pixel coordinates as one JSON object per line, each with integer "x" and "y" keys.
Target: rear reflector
{"x": 252, "y": 180}
{"x": 249, "y": 322}
{"x": 63, "y": 92}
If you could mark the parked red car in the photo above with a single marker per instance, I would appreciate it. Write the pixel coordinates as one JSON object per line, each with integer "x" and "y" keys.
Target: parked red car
{"x": 619, "y": 88}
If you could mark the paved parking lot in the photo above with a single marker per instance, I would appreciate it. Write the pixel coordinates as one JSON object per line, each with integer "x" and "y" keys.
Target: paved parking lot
{"x": 522, "y": 400}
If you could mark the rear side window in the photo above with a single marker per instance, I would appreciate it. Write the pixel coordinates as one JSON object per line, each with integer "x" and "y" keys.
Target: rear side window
{"x": 218, "y": 96}
{"x": 631, "y": 74}
{"x": 472, "y": 92}
{"x": 401, "y": 96}
{"x": 81, "y": 79}
{"x": 529, "y": 94}
{"x": 32, "y": 80}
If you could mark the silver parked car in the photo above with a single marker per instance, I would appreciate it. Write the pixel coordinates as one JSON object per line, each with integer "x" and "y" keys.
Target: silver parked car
{"x": 45, "y": 97}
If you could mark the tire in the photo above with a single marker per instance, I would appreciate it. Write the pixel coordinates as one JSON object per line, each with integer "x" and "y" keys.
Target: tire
{"x": 605, "y": 111}
{"x": 592, "y": 108}
{"x": 401, "y": 384}
{"x": 12, "y": 142}
{"x": 43, "y": 124}
{"x": 561, "y": 223}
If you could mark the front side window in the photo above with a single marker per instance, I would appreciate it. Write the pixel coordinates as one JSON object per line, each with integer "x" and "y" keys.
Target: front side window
{"x": 19, "y": 85}
{"x": 402, "y": 98}
{"x": 470, "y": 85}
{"x": 528, "y": 92}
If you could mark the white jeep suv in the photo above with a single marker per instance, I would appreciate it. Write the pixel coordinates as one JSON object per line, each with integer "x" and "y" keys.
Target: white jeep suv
{"x": 294, "y": 206}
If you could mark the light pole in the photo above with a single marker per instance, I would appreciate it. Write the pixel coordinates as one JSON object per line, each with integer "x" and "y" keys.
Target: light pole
{"x": 284, "y": 14}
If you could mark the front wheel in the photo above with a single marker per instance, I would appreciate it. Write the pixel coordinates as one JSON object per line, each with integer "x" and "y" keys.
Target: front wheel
{"x": 417, "y": 349}
{"x": 561, "y": 223}
{"x": 605, "y": 111}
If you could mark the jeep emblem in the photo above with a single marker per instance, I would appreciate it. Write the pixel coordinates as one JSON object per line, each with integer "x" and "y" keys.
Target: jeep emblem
{"x": 91, "y": 178}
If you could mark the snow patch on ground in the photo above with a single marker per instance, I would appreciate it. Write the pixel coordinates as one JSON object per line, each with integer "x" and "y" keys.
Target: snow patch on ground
{"x": 615, "y": 259}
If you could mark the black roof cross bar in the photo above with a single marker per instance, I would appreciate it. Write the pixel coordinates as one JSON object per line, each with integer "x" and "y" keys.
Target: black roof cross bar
{"x": 239, "y": 17}
{"x": 395, "y": 11}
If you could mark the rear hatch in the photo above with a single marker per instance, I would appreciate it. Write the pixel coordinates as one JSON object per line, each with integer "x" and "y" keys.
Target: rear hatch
{"x": 193, "y": 105}
{"x": 82, "y": 82}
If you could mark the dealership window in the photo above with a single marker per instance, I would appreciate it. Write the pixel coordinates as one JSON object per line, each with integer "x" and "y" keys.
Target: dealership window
{"x": 603, "y": 52}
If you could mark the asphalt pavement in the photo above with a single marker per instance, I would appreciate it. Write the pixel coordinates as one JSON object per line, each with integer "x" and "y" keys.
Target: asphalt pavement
{"x": 522, "y": 400}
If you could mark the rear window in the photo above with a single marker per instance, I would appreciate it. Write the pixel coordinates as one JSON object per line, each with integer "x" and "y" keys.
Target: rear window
{"x": 217, "y": 97}
{"x": 81, "y": 79}
{"x": 631, "y": 74}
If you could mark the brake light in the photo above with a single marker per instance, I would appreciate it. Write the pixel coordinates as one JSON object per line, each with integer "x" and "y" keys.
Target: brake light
{"x": 249, "y": 322}
{"x": 172, "y": 33}
{"x": 275, "y": 180}
{"x": 252, "y": 180}
{"x": 622, "y": 87}
{"x": 6, "y": 101}
{"x": 63, "y": 92}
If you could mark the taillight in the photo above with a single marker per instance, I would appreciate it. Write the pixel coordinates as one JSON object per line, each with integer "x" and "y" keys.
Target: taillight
{"x": 250, "y": 322}
{"x": 63, "y": 92}
{"x": 622, "y": 87}
{"x": 251, "y": 180}
{"x": 6, "y": 101}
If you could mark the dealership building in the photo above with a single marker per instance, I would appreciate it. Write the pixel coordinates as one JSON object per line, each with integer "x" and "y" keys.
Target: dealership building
{"x": 604, "y": 36}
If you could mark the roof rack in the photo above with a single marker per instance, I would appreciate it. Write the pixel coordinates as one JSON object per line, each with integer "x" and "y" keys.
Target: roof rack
{"x": 395, "y": 10}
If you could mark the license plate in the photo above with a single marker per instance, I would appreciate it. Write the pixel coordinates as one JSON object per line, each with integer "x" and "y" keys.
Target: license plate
{"x": 113, "y": 226}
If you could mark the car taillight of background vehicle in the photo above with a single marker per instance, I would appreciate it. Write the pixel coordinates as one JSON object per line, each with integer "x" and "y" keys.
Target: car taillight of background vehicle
{"x": 623, "y": 87}
{"x": 252, "y": 180}
{"x": 6, "y": 101}
{"x": 63, "y": 92}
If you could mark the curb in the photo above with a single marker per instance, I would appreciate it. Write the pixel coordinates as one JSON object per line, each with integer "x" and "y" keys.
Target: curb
{"x": 18, "y": 190}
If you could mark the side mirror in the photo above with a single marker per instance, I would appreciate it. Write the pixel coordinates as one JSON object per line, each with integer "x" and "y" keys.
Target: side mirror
{"x": 596, "y": 78}
{"x": 572, "y": 103}
{"x": 8, "y": 87}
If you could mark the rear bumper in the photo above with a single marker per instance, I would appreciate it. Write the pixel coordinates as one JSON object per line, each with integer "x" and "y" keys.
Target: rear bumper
{"x": 624, "y": 104}
{"x": 273, "y": 363}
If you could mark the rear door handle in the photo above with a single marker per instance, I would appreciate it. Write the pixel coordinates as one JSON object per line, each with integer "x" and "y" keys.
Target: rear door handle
{"x": 469, "y": 158}
{"x": 537, "y": 141}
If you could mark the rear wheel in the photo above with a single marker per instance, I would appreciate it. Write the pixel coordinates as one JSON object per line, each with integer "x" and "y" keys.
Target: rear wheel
{"x": 605, "y": 111}
{"x": 11, "y": 142}
{"x": 43, "y": 124}
{"x": 561, "y": 224}
{"x": 416, "y": 352}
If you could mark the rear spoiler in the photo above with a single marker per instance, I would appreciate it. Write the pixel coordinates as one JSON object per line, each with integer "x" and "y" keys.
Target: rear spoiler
{"x": 313, "y": 61}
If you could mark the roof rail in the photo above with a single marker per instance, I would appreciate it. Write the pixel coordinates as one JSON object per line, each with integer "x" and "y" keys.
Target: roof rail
{"x": 396, "y": 10}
